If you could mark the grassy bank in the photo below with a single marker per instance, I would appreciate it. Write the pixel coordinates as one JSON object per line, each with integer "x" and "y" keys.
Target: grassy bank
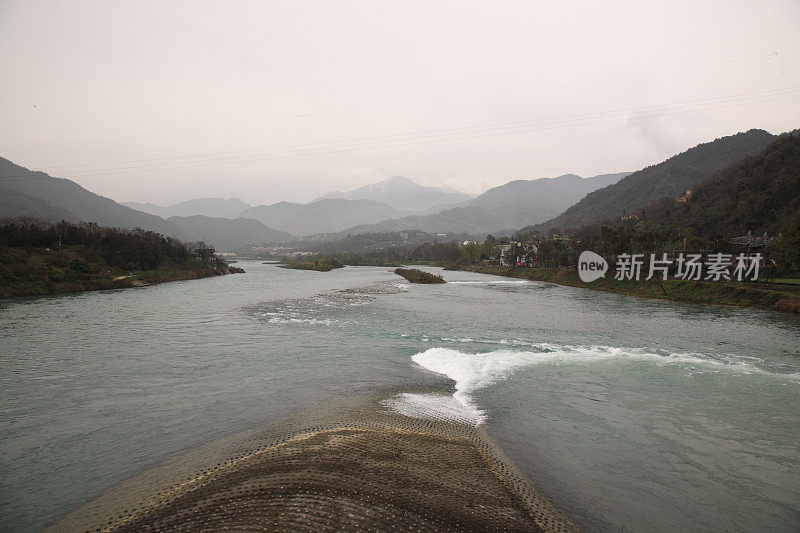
{"x": 760, "y": 296}
{"x": 39, "y": 271}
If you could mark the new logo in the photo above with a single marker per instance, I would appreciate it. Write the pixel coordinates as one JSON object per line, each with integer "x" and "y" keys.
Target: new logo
{"x": 591, "y": 266}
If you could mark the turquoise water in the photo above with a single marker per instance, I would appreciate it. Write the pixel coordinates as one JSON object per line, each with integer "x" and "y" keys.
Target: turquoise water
{"x": 630, "y": 414}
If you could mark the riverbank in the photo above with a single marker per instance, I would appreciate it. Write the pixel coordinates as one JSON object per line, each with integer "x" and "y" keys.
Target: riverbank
{"x": 373, "y": 471}
{"x": 758, "y": 296}
{"x": 37, "y": 272}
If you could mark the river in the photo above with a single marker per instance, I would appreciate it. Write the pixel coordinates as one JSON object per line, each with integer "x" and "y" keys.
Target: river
{"x": 630, "y": 414}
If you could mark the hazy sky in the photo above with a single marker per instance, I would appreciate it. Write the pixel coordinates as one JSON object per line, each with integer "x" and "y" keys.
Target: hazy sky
{"x": 169, "y": 100}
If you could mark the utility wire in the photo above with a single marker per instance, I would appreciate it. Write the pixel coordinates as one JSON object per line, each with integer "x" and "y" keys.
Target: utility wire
{"x": 419, "y": 100}
{"x": 398, "y": 136}
{"x": 408, "y": 142}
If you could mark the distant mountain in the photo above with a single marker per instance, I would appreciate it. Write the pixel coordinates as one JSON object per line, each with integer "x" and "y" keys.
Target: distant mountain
{"x": 513, "y": 205}
{"x": 402, "y": 194}
{"x": 456, "y": 220}
{"x": 670, "y": 178}
{"x": 757, "y": 194}
{"x": 438, "y": 208}
{"x": 543, "y": 196}
{"x": 226, "y": 234}
{"x": 35, "y": 194}
{"x": 153, "y": 209}
{"x": 322, "y": 216}
{"x": 209, "y": 207}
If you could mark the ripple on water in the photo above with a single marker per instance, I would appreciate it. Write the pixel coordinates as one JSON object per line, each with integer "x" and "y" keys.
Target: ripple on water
{"x": 328, "y": 309}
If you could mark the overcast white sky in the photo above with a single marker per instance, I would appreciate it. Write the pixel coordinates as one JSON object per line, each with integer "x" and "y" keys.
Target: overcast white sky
{"x": 165, "y": 101}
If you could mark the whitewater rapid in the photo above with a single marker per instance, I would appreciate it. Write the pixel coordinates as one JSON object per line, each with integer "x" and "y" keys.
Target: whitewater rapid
{"x": 474, "y": 371}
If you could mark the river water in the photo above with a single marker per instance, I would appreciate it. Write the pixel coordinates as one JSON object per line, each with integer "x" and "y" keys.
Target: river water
{"x": 631, "y": 415}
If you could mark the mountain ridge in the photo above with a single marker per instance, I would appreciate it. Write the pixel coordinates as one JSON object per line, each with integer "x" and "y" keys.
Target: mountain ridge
{"x": 401, "y": 193}
{"x": 322, "y": 216}
{"x": 70, "y": 200}
{"x": 230, "y": 234}
{"x": 670, "y": 178}
{"x": 759, "y": 193}
{"x": 209, "y": 207}
{"x": 512, "y": 205}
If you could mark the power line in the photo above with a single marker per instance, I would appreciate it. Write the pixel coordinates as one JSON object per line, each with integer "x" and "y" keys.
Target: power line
{"x": 417, "y": 101}
{"x": 410, "y": 142}
{"x": 519, "y": 123}
{"x": 437, "y": 135}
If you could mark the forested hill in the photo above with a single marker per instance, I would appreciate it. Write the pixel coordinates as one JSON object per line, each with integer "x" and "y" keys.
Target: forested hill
{"x": 761, "y": 193}
{"x": 229, "y": 234}
{"x": 41, "y": 258}
{"x": 26, "y": 193}
{"x": 669, "y": 179}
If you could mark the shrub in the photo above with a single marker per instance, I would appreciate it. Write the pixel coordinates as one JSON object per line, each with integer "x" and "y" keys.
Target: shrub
{"x": 418, "y": 276}
{"x": 80, "y": 265}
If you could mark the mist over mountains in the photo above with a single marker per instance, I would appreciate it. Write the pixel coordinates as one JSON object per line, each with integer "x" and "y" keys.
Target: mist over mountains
{"x": 392, "y": 205}
{"x": 513, "y": 205}
{"x": 322, "y": 216}
{"x": 403, "y": 194}
{"x": 209, "y": 207}
{"x": 231, "y": 223}
{"x": 229, "y": 234}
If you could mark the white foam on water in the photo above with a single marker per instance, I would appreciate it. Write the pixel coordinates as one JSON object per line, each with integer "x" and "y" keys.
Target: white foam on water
{"x": 435, "y": 407}
{"x": 311, "y": 321}
{"x": 319, "y": 310}
{"x": 491, "y": 282}
{"x": 470, "y": 372}
{"x": 475, "y": 371}
{"x": 508, "y": 342}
